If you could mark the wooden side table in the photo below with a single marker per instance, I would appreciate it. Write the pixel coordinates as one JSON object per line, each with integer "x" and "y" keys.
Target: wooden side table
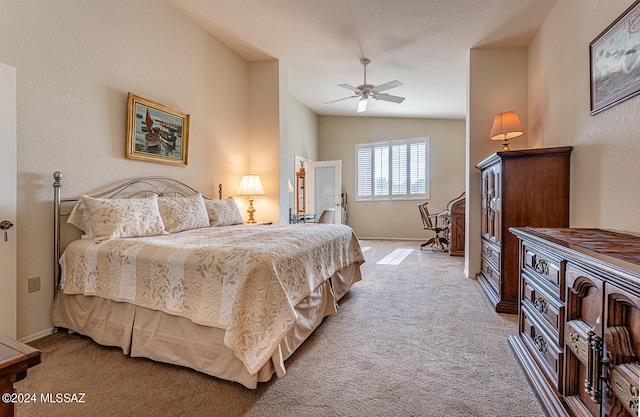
{"x": 15, "y": 359}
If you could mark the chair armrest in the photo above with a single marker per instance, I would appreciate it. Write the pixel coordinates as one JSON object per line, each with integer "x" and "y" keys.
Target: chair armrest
{"x": 440, "y": 219}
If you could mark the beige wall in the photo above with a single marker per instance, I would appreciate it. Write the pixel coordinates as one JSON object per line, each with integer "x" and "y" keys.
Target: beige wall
{"x": 497, "y": 83}
{"x": 604, "y": 162}
{"x": 397, "y": 219}
{"x": 303, "y": 130}
{"x": 264, "y": 139}
{"x": 76, "y": 60}
{"x": 302, "y": 141}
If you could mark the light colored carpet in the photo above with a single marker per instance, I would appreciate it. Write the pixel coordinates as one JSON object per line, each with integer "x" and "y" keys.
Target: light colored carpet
{"x": 414, "y": 339}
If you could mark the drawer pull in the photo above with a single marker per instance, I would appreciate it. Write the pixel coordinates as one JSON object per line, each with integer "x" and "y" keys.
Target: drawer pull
{"x": 488, "y": 271}
{"x": 592, "y": 382}
{"x": 541, "y": 305}
{"x": 541, "y": 266}
{"x": 540, "y": 343}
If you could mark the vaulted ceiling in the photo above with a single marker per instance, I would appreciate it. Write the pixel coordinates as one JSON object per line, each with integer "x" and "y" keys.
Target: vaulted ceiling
{"x": 422, "y": 43}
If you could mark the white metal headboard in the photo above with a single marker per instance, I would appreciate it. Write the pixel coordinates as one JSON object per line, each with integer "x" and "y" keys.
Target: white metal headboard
{"x": 137, "y": 187}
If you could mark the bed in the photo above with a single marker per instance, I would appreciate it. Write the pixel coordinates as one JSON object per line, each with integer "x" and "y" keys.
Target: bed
{"x": 154, "y": 267}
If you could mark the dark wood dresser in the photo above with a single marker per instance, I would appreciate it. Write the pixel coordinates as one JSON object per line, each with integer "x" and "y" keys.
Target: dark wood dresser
{"x": 519, "y": 188}
{"x": 15, "y": 359}
{"x": 579, "y": 320}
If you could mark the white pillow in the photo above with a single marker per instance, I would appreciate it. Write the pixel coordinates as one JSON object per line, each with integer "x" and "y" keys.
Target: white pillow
{"x": 183, "y": 213}
{"x": 79, "y": 217}
{"x": 223, "y": 212}
{"x": 127, "y": 217}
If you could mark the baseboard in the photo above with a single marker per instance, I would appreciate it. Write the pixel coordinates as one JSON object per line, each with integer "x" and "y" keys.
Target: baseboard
{"x": 36, "y": 336}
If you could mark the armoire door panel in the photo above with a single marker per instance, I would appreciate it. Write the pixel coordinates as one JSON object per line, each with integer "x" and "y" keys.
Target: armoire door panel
{"x": 584, "y": 298}
{"x": 621, "y": 350}
{"x": 583, "y": 333}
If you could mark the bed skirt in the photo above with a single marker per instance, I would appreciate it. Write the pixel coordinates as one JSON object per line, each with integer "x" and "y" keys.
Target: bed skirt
{"x": 141, "y": 332}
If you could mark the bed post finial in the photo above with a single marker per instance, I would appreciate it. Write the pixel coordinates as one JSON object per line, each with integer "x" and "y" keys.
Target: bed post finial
{"x": 220, "y": 191}
{"x": 57, "y": 176}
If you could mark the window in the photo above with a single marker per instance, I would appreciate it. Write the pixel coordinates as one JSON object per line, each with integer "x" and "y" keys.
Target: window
{"x": 394, "y": 170}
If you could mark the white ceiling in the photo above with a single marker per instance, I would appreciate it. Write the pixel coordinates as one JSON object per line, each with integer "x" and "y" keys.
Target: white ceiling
{"x": 422, "y": 43}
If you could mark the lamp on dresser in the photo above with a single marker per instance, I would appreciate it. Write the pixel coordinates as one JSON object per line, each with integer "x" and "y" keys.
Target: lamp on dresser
{"x": 250, "y": 186}
{"x": 506, "y": 126}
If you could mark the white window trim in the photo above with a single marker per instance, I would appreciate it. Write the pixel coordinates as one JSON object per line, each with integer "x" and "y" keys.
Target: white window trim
{"x": 391, "y": 197}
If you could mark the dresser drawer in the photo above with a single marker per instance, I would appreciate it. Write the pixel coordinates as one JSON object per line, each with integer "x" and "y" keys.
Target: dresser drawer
{"x": 544, "y": 350}
{"x": 490, "y": 273}
{"x": 549, "y": 309}
{"x": 548, "y": 269}
{"x": 491, "y": 253}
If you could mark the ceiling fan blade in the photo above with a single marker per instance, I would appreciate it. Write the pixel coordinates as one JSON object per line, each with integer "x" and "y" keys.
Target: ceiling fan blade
{"x": 352, "y": 88}
{"x": 389, "y": 97}
{"x": 388, "y": 86}
{"x": 362, "y": 103}
{"x": 341, "y": 99}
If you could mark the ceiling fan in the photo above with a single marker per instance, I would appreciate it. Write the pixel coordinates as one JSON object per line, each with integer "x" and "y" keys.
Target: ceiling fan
{"x": 366, "y": 91}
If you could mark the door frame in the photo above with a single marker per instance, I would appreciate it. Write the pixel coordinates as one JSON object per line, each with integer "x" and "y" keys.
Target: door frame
{"x": 310, "y": 168}
{"x": 8, "y": 202}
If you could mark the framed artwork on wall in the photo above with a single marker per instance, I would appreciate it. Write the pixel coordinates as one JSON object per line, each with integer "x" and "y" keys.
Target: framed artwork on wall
{"x": 156, "y": 133}
{"x": 615, "y": 61}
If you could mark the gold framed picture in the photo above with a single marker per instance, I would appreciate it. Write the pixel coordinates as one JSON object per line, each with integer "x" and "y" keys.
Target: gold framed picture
{"x": 156, "y": 133}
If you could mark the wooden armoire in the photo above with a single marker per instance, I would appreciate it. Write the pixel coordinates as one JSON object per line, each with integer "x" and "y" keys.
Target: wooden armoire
{"x": 519, "y": 188}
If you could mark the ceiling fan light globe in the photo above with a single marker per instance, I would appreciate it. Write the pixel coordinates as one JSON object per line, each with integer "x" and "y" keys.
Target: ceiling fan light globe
{"x": 362, "y": 104}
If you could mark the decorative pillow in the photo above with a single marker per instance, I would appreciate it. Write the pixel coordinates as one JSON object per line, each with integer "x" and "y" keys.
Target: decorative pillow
{"x": 223, "y": 212}
{"x": 127, "y": 217}
{"x": 79, "y": 217}
{"x": 183, "y": 213}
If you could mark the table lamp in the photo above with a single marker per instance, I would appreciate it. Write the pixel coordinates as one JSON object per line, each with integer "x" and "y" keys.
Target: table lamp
{"x": 506, "y": 126}
{"x": 250, "y": 186}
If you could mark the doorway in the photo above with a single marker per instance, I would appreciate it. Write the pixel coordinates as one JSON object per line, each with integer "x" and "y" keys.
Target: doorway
{"x": 324, "y": 189}
{"x": 8, "y": 202}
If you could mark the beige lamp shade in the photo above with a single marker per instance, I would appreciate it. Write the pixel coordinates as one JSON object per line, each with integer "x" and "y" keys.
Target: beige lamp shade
{"x": 506, "y": 126}
{"x": 250, "y": 185}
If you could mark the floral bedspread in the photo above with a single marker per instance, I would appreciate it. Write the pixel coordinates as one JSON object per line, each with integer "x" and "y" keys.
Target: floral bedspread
{"x": 243, "y": 279}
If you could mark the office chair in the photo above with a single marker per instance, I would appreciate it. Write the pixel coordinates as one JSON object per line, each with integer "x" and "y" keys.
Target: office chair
{"x": 327, "y": 216}
{"x": 438, "y": 223}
